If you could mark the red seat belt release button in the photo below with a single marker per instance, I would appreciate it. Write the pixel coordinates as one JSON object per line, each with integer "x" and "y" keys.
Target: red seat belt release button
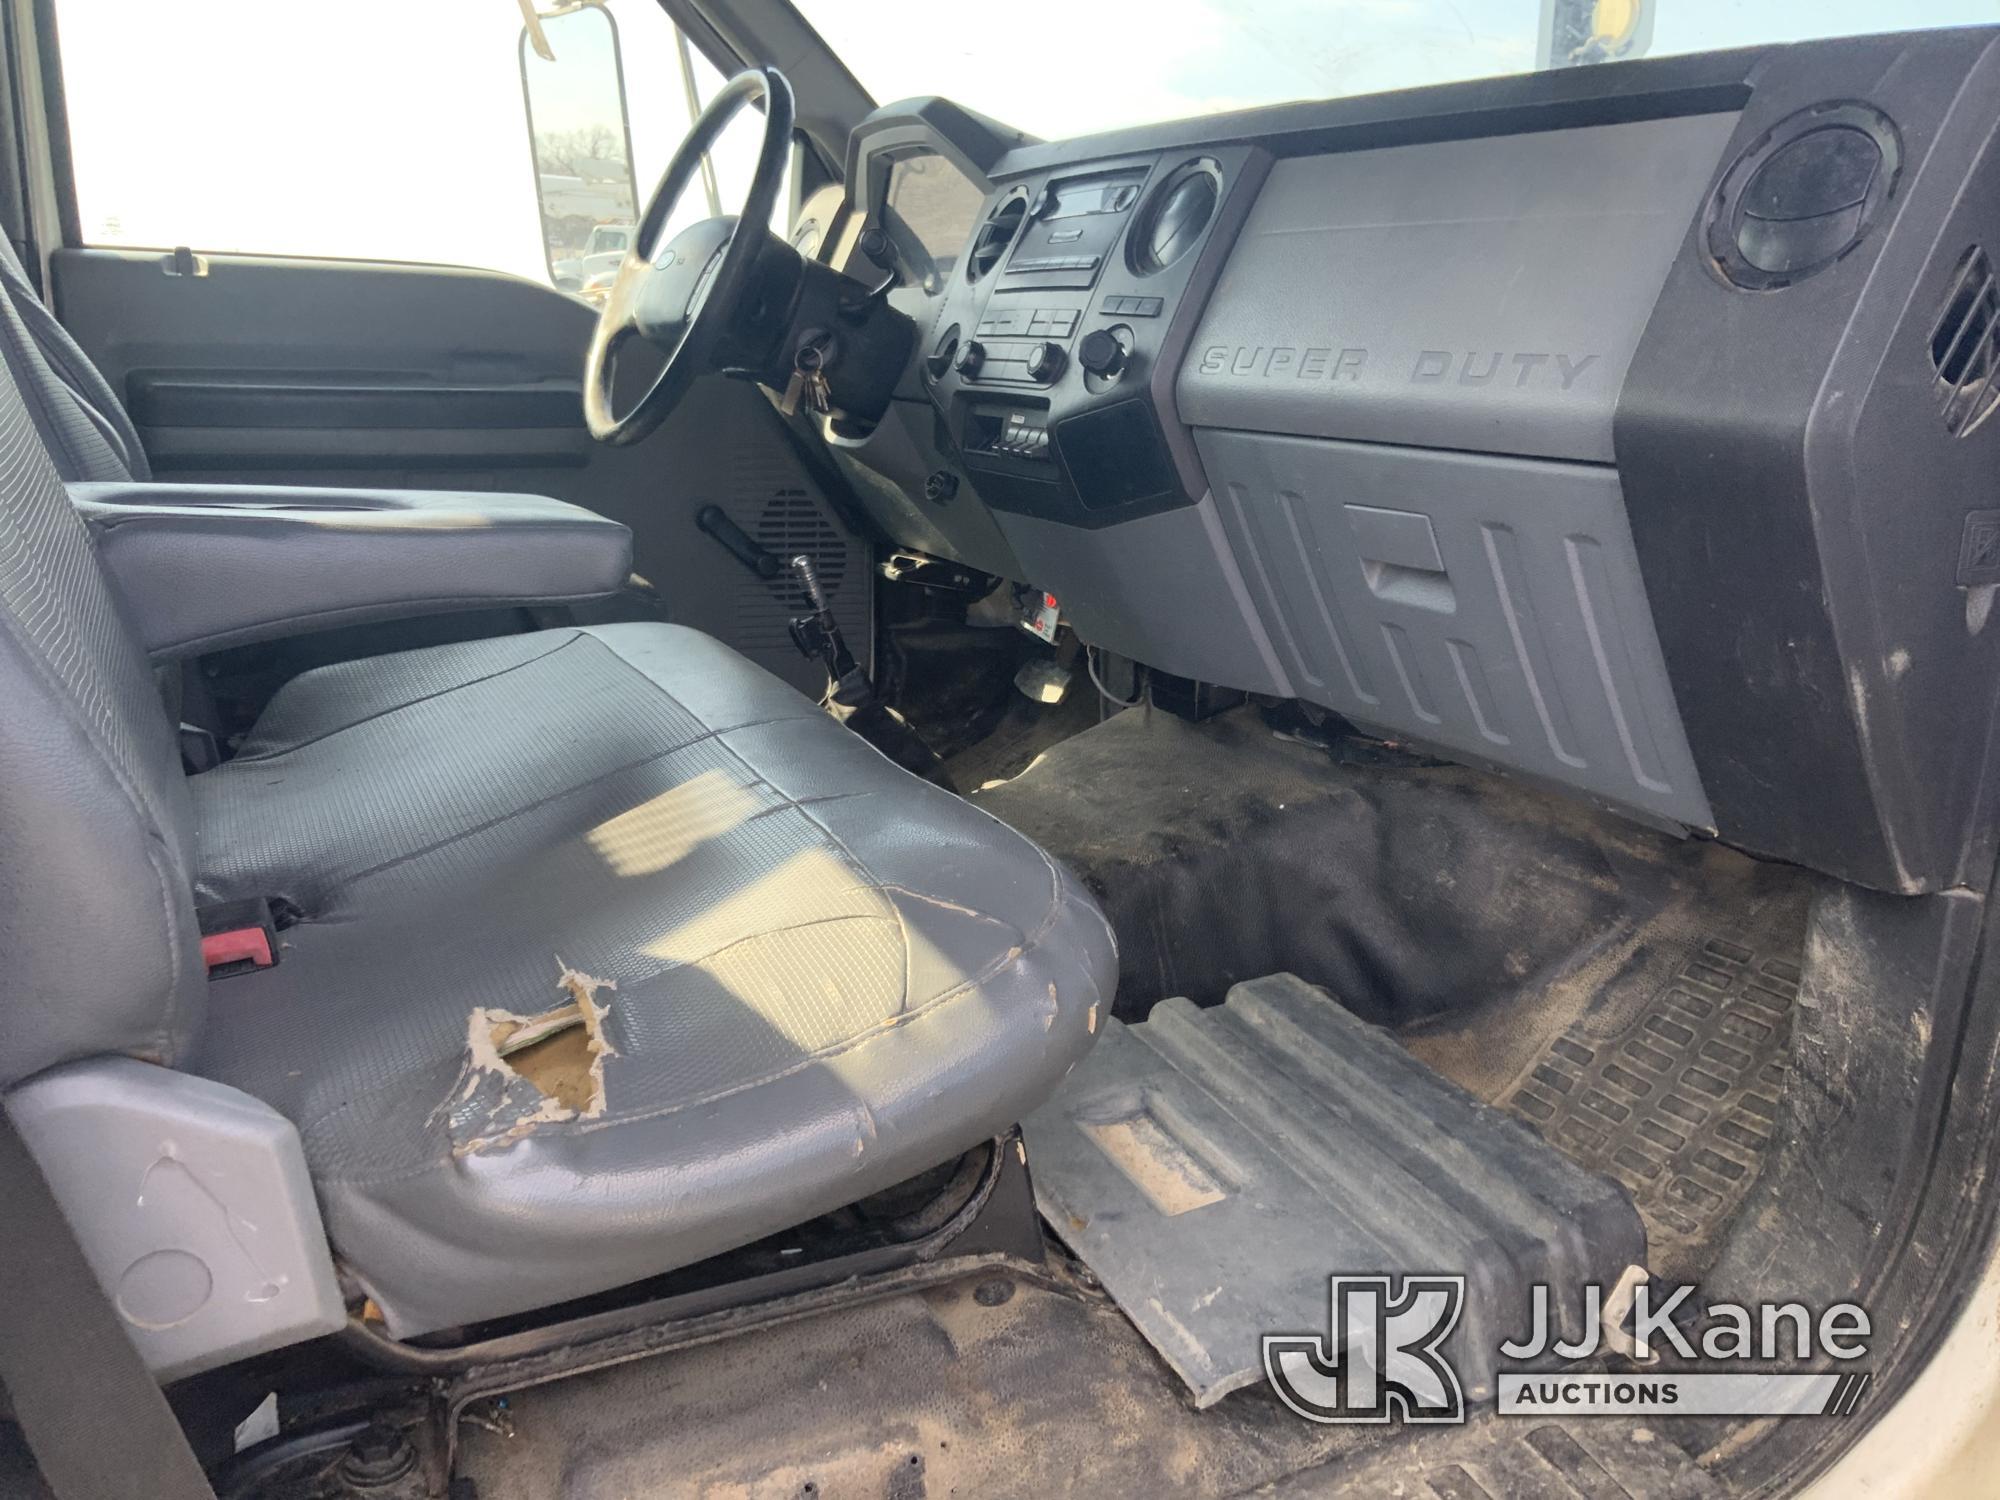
{"x": 237, "y": 937}
{"x": 246, "y": 944}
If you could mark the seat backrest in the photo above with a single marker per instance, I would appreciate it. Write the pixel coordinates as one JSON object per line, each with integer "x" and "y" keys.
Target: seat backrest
{"x": 99, "y": 950}
{"x": 82, "y": 423}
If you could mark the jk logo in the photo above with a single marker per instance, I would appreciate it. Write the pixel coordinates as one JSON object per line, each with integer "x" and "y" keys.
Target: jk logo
{"x": 1381, "y": 1360}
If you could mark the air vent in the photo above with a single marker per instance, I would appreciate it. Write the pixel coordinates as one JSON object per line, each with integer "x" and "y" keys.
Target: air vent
{"x": 1175, "y": 216}
{"x": 1803, "y": 195}
{"x": 1965, "y": 345}
{"x": 995, "y": 235}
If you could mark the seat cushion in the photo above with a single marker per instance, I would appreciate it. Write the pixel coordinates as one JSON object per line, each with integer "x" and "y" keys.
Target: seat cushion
{"x": 806, "y": 975}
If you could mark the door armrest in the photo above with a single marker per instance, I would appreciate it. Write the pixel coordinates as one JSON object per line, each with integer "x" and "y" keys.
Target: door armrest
{"x": 202, "y": 566}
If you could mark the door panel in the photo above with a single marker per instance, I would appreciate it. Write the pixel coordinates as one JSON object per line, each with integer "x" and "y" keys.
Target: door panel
{"x": 290, "y": 371}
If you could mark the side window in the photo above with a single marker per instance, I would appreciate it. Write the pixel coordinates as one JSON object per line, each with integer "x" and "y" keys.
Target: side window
{"x": 590, "y": 200}
{"x": 929, "y": 210}
{"x": 367, "y": 129}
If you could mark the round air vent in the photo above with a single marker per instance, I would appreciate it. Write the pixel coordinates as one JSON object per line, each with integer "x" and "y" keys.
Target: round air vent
{"x": 1802, "y": 196}
{"x": 943, "y": 353}
{"x": 995, "y": 235}
{"x": 1172, "y": 220}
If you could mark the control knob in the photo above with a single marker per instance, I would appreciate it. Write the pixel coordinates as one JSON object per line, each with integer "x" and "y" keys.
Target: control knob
{"x": 1045, "y": 361}
{"x": 938, "y": 362}
{"x": 1102, "y": 354}
{"x": 874, "y": 245}
{"x": 970, "y": 358}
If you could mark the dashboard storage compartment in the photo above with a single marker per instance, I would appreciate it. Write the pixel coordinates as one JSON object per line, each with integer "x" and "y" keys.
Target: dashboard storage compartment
{"x": 1489, "y": 606}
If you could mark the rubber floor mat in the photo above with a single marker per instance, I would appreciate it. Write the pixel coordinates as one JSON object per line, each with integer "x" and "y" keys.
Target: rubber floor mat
{"x": 1670, "y": 1086}
{"x": 1497, "y": 1458}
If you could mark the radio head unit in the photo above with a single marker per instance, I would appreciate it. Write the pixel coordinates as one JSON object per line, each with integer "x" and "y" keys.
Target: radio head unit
{"x": 1071, "y": 230}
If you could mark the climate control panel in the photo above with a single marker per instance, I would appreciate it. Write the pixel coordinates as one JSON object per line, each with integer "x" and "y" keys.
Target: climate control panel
{"x": 1073, "y": 300}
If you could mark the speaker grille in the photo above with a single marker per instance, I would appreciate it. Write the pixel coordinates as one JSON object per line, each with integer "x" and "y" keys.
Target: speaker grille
{"x": 1965, "y": 345}
{"x": 787, "y": 523}
{"x": 790, "y": 524}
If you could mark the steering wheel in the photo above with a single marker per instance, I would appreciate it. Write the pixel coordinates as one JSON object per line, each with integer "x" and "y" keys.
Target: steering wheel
{"x": 680, "y": 296}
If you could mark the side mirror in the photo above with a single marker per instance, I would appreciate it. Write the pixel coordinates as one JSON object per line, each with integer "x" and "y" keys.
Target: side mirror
{"x": 573, "y": 86}
{"x": 1575, "y": 33}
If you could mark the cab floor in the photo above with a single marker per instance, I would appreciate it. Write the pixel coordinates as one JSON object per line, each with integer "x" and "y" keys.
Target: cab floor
{"x": 1626, "y": 993}
{"x": 1003, "y": 1385}
{"x": 931, "y": 1393}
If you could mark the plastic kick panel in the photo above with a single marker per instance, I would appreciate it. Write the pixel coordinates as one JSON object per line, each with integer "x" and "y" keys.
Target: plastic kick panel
{"x": 193, "y": 1205}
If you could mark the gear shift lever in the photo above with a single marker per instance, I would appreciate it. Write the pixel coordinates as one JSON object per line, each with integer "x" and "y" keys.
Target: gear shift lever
{"x": 818, "y": 634}
{"x": 850, "y": 695}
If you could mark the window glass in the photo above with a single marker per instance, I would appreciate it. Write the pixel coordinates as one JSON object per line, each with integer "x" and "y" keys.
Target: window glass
{"x": 733, "y": 161}
{"x": 931, "y": 205}
{"x": 367, "y": 129}
{"x": 1174, "y": 59}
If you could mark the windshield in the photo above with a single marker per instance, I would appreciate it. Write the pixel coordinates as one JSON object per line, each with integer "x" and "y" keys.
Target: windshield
{"x": 1061, "y": 68}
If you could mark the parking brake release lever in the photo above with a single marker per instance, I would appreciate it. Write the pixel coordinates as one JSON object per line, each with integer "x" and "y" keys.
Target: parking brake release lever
{"x": 742, "y": 546}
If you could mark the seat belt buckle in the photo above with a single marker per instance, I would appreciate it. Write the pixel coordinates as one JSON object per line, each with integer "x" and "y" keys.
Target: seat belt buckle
{"x": 237, "y": 937}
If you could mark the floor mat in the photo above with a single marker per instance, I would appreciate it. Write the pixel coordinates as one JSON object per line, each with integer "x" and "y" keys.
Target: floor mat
{"x": 1626, "y": 992}
{"x": 1214, "y": 1166}
{"x": 1496, "y": 1458}
{"x": 1668, "y": 1082}
{"x": 1000, "y": 1385}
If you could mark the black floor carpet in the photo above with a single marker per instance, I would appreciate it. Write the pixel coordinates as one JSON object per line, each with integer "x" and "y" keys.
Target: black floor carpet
{"x": 1023, "y": 731}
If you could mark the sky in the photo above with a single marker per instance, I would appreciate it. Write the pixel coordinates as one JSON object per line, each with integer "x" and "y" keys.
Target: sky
{"x": 1137, "y": 61}
{"x": 395, "y": 129}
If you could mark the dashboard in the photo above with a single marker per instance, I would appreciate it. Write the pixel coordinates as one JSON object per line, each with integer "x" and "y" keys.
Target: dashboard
{"x": 1621, "y": 428}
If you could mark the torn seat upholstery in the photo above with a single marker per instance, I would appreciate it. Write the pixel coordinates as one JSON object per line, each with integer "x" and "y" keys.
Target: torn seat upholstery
{"x": 613, "y": 951}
